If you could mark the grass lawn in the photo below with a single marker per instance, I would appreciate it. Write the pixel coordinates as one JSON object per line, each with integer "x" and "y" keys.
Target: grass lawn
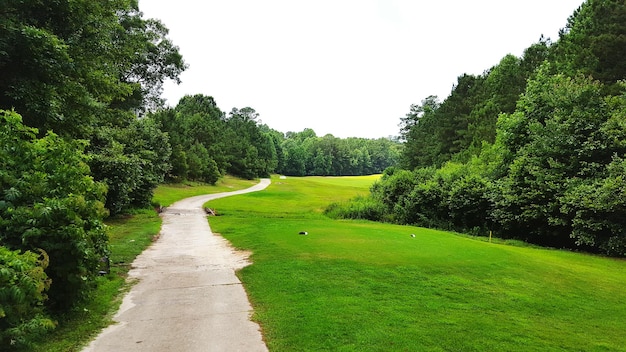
{"x": 363, "y": 286}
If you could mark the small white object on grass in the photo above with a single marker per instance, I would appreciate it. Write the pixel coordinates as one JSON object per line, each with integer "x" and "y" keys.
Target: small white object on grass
{"x": 413, "y": 235}
{"x": 303, "y": 233}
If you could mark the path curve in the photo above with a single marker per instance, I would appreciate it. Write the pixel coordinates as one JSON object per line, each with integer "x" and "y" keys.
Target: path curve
{"x": 187, "y": 297}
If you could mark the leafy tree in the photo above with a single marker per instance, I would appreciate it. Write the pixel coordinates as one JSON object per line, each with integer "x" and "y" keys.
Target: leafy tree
{"x": 557, "y": 140}
{"x": 456, "y": 128}
{"x": 307, "y": 133}
{"x": 322, "y": 163}
{"x": 278, "y": 163}
{"x": 180, "y": 164}
{"x": 597, "y": 208}
{"x": 418, "y": 131}
{"x": 85, "y": 70}
{"x": 119, "y": 171}
{"x": 503, "y": 85}
{"x": 594, "y": 42}
{"x": 72, "y": 66}
{"x": 394, "y": 186}
{"x": 50, "y": 202}
{"x": 295, "y": 155}
{"x": 131, "y": 161}
{"x": 252, "y": 152}
{"x": 198, "y": 136}
{"x": 144, "y": 140}
{"x": 201, "y": 166}
{"x": 545, "y": 166}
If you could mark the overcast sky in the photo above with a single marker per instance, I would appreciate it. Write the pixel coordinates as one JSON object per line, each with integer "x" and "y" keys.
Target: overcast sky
{"x": 351, "y": 68}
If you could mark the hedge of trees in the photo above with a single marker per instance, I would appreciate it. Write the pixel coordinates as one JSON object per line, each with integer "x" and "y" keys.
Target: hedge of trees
{"x": 306, "y": 154}
{"x": 207, "y": 143}
{"x": 533, "y": 149}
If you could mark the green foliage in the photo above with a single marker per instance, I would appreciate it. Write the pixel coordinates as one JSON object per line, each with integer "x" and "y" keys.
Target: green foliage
{"x": 451, "y": 197}
{"x": 85, "y": 70}
{"x": 561, "y": 124}
{"x": 116, "y": 169}
{"x": 23, "y": 286}
{"x": 548, "y": 179}
{"x": 393, "y": 188}
{"x": 198, "y": 136}
{"x": 207, "y": 144}
{"x": 455, "y": 129}
{"x": 201, "y": 166}
{"x": 594, "y": 42}
{"x": 360, "y": 207}
{"x": 144, "y": 139}
{"x": 295, "y": 158}
{"x": 418, "y": 131}
{"x": 307, "y": 154}
{"x": 598, "y": 208}
{"x": 71, "y": 66}
{"x": 131, "y": 161}
{"x": 50, "y": 202}
{"x": 468, "y": 203}
{"x": 252, "y": 153}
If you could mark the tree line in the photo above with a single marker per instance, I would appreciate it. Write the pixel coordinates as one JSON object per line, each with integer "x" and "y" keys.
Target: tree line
{"x": 208, "y": 143}
{"x": 84, "y": 135}
{"x": 532, "y": 149}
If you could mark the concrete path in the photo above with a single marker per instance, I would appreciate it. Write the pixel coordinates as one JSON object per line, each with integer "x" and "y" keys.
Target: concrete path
{"x": 187, "y": 297}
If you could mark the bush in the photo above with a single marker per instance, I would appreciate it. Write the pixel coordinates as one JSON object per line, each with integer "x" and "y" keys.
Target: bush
{"x": 50, "y": 202}
{"x": 365, "y": 208}
{"x": 23, "y": 283}
{"x": 598, "y": 209}
{"x": 131, "y": 161}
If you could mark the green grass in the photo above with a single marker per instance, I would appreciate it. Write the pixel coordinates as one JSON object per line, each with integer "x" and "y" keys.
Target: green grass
{"x": 128, "y": 237}
{"x": 363, "y": 286}
{"x": 167, "y": 194}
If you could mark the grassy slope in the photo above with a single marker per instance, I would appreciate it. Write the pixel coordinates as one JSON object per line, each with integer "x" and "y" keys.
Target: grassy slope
{"x": 371, "y": 287}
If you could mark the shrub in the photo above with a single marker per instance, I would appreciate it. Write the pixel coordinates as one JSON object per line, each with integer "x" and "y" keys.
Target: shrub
{"x": 365, "y": 208}
{"x": 23, "y": 283}
{"x": 50, "y": 202}
{"x": 131, "y": 161}
{"x": 598, "y": 209}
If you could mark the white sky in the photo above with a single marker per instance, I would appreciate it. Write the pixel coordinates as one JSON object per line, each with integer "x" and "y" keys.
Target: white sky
{"x": 351, "y": 68}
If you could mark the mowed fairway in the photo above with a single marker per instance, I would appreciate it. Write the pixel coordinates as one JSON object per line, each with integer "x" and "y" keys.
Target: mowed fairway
{"x": 364, "y": 286}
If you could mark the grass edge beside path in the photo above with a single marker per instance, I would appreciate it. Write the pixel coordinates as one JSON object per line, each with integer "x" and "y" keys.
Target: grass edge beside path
{"x": 128, "y": 237}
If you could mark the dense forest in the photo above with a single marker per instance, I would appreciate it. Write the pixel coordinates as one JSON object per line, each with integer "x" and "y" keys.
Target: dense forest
{"x": 85, "y": 135}
{"x": 532, "y": 149}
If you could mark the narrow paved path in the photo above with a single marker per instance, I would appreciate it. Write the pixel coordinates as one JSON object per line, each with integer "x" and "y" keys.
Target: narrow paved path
{"x": 187, "y": 297}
